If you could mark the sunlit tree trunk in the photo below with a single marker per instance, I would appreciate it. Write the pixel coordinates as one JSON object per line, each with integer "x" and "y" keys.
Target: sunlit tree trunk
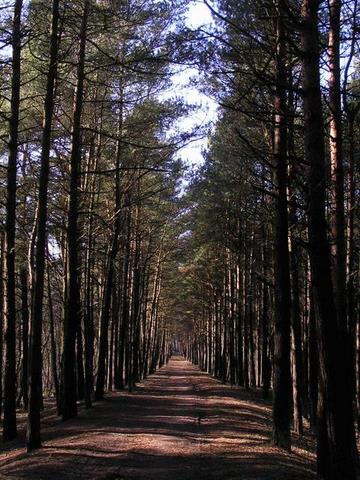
{"x": 338, "y": 215}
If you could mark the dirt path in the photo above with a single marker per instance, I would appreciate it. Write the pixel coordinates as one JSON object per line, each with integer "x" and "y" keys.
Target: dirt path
{"x": 178, "y": 425}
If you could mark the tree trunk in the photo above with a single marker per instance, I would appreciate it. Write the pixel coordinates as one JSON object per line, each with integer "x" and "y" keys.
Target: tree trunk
{"x": 72, "y": 307}
{"x": 265, "y": 322}
{"x": 9, "y": 423}
{"x": 125, "y": 307}
{"x": 25, "y": 336}
{"x": 335, "y": 447}
{"x": 53, "y": 353}
{"x": 2, "y": 304}
{"x": 109, "y": 284}
{"x": 80, "y": 364}
{"x": 282, "y": 373}
{"x": 297, "y": 354}
{"x": 313, "y": 362}
{"x": 338, "y": 249}
{"x": 88, "y": 317}
{"x": 353, "y": 255}
{"x": 35, "y": 377}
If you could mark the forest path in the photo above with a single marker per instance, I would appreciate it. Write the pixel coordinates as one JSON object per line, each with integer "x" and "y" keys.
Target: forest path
{"x": 179, "y": 424}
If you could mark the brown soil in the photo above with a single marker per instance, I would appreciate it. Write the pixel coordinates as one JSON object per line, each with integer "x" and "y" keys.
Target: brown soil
{"x": 179, "y": 424}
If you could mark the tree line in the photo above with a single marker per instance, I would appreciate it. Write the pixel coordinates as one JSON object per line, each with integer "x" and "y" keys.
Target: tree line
{"x": 270, "y": 253}
{"x": 90, "y": 180}
{"x": 107, "y": 264}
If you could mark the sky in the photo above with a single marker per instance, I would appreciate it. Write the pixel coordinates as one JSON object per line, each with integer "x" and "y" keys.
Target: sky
{"x": 198, "y": 15}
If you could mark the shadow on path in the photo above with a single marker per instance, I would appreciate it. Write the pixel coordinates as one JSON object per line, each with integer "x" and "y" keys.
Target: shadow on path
{"x": 179, "y": 424}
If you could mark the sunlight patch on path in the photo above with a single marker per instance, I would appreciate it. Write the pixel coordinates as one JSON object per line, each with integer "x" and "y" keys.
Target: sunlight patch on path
{"x": 179, "y": 424}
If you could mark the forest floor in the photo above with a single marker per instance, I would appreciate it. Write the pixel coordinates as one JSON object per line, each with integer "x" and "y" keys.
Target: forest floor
{"x": 179, "y": 424}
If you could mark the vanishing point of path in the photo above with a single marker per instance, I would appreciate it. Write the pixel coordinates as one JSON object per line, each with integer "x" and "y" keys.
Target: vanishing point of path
{"x": 179, "y": 424}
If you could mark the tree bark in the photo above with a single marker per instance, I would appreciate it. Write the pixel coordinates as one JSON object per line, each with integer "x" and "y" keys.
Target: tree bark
{"x": 53, "y": 347}
{"x": 35, "y": 370}
{"x": 109, "y": 284}
{"x": 2, "y": 314}
{"x": 338, "y": 249}
{"x": 282, "y": 373}
{"x": 72, "y": 307}
{"x": 335, "y": 449}
{"x": 9, "y": 423}
{"x": 25, "y": 336}
{"x": 265, "y": 322}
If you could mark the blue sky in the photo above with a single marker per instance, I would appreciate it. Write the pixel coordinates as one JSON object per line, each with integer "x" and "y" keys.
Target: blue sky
{"x": 198, "y": 15}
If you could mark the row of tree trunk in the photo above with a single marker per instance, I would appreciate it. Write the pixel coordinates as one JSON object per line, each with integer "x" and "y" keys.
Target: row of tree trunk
{"x": 283, "y": 317}
{"x": 90, "y": 321}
